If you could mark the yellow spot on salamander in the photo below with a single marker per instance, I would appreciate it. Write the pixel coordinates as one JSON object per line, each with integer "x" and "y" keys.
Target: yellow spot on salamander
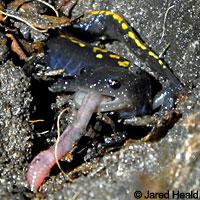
{"x": 160, "y": 62}
{"x": 75, "y": 41}
{"x": 137, "y": 41}
{"x": 114, "y": 56}
{"x": 164, "y": 66}
{"x": 81, "y": 44}
{"x": 95, "y": 49}
{"x": 131, "y": 35}
{"x": 151, "y": 53}
{"x": 96, "y": 12}
{"x": 124, "y": 63}
{"x": 114, "y": 15}
{"x": 108, "y": 12}
{"x": 117, "y": 17}
{"x": 124, "y": 26}
{"x": 139, "y": 44}
{"x": 103, "y": 11}
{"x": 99, "y": 56}
{"x": 63, "y": 36}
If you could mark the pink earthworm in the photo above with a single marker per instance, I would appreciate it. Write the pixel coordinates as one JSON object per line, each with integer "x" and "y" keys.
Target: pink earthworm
{"x": 45, "y": 160}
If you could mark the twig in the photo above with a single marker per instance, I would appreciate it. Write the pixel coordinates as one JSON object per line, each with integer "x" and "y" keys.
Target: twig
{"x": 16, "y": 47}
{"x": 22, "y": 20}
{"x": 50, "y": 6}
{"x": 164, "y": 23}
{"x": 58, "y": 138}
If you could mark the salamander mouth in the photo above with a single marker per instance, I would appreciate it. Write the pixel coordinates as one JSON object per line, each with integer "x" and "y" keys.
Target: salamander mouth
{"x": 108, "y": 103}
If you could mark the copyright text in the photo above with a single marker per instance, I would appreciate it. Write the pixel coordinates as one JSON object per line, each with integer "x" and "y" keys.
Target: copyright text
{"x": 167, "y": 195}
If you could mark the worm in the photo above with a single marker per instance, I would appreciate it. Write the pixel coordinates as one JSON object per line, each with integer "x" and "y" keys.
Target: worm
{"x": 45, "y": 160}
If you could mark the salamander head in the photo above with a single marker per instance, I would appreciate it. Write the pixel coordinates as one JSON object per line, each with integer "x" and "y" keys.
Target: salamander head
{"x": 128, "y": 93}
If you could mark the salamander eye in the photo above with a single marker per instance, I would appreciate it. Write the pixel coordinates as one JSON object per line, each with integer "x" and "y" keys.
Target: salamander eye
{"x": 114, "y": 83}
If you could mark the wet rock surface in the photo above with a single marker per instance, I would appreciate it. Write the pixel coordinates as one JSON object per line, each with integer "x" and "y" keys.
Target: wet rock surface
{"x": 171, "y": 163}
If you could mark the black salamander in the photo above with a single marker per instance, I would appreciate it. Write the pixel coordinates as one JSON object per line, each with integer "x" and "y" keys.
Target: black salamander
{"x": 93, "y": 67}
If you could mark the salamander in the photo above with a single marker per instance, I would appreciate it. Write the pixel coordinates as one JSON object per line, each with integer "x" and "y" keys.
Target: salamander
{"x": 73, "y": 57}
